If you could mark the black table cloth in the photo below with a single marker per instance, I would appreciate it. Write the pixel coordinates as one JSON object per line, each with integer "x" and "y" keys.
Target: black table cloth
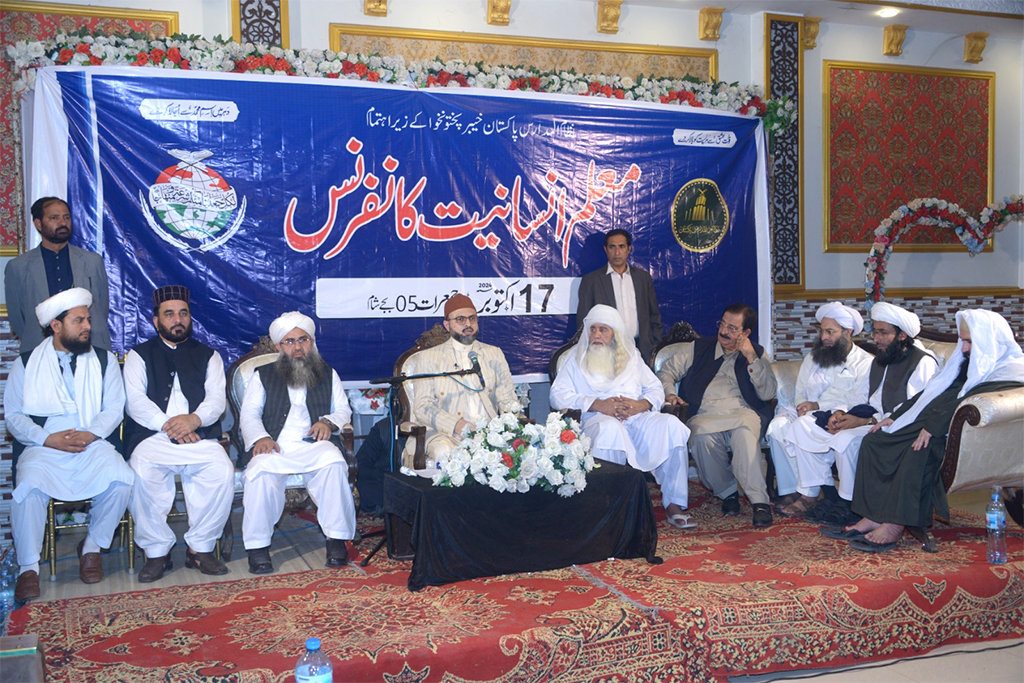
{"x": 474, "y": 531}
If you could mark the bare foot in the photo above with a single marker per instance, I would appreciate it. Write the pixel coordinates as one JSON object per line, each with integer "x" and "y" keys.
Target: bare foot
{"x": 864, "y": 525}
{"x": 674, "y": 509}
{"x": 885, "y": 533}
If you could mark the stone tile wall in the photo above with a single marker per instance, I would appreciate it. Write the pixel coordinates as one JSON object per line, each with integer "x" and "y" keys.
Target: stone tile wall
{"x": 794, "y": 330}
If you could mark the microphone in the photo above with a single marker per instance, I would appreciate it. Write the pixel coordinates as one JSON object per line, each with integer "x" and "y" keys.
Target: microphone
{"x": 474, "y": 358}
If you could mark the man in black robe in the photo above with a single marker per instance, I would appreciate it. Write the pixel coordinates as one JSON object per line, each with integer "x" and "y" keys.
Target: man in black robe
{"x": 897, "y": 482}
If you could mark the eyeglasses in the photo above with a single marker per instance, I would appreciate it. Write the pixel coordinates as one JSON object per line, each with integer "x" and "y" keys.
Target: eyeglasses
{"x": 462, "y": 320}
{"x": 731, "y": 329}
{"x": 292, "y": 342}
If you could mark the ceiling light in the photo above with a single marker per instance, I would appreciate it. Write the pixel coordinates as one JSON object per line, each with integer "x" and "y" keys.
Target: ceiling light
{"x": 888, "y": 12}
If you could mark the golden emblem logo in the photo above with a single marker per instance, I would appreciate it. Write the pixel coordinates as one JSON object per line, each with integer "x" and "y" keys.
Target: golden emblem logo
{"x": 700, "y": 217}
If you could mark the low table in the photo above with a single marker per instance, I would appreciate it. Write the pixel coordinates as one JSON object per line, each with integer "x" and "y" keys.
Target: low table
{"x": 473, "y": 531}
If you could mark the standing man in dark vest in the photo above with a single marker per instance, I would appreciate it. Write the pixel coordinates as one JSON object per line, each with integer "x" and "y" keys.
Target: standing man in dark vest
{"x": 727, "y": 382}
{"x": 898, "y": 372}
{"x": 627, "y": 289}
{"x": 291, "y": 415}
{"x": 175, "y": 390}
{"x": 52, "y": 267}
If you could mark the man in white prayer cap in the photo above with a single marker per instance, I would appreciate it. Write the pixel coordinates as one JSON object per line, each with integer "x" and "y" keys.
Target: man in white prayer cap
{"x": 291, "y": 416}
{"x": 833, "y": 376}
{"x": 175, "y": 390}
{"x": 620, "y": 397}
{"x": 897, "y": 483}
{"x": 899, "y": 371}
{"x": 63, "y": 399}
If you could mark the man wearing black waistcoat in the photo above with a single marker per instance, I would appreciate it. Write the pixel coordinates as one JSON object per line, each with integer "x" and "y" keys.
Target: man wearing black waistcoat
{"x": 727, "y": 382}
{"x": 175, "y": 398}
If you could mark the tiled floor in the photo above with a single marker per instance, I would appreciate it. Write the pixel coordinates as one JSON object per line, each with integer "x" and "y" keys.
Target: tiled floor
{"x": 299, "y": 546}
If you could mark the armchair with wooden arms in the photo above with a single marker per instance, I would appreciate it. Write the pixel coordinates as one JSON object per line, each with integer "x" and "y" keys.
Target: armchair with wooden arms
{"x": 558, "y": 359}
{"x": 415, "y": 454}
{"x": 239, "y": 374}
{"x": 680, "y": 333}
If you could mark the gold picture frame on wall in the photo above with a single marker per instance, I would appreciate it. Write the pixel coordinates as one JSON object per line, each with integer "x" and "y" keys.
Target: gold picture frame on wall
{"x": 894, "y": 134}
{"x": 543, "y": 53}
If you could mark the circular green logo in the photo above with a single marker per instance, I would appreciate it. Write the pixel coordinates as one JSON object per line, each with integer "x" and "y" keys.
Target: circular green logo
{"x": 700, "y": 217}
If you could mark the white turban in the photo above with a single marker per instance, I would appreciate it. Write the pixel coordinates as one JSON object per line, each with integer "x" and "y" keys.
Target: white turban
{"x": 606, "y": 315}
{"x": 846, "y": 317}
{"x": 894, "y": 315}
{"x": 288, "y": 322}
{"x": 63, "y": 301}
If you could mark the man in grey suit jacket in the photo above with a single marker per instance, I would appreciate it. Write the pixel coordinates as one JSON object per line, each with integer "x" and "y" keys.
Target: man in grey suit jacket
{"x": 625, "y": 288}
{"x": 53, "y": 267}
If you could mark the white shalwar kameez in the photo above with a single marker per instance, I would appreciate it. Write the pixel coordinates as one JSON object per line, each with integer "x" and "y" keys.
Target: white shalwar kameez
{"x": 814, "y": 449}
{"x": 324, "y": 470}
{"x": 90, "y": 403}
{"x": 207, "y": 474}
{"x": 650, "y": 441}
{"x": 839, "y": 387}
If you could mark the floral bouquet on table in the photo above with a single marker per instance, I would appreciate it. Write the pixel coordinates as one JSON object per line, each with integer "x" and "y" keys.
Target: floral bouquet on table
{"x": 509, "y": 456}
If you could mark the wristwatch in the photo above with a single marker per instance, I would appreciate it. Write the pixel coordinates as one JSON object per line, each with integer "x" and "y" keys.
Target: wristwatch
{"x": 872, "y": 421}
{"x": 330, "y": 424}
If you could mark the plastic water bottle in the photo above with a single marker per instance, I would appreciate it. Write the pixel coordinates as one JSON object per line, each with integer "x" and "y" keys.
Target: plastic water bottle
{"x": 995, "y": 520}
{"x": 8, "y": 579}
{"x": 313, "y": 666}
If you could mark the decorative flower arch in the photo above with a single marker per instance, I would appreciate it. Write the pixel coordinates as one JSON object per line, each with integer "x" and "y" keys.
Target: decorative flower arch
{"x": 972, "y": 232}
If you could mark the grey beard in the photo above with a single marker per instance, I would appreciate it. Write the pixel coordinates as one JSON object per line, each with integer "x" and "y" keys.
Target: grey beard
{"x": 831, "y": 356}
{"x": 302, "y": 372}
{"x": 600, "y": 360}
{"x": 466, "y": 339}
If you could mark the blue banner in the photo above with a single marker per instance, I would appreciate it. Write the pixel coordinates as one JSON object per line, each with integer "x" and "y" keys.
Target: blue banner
{"x": 366, "y": 206}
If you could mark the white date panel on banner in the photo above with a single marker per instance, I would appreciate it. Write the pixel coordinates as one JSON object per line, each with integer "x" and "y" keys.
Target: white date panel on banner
{"x": 397, "y": 297}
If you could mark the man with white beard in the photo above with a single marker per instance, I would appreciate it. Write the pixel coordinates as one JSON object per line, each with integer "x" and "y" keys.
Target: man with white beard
{"x": 291, "y": 415}
{"x": 620, "y": 397}
{"x": 834, "y": 376}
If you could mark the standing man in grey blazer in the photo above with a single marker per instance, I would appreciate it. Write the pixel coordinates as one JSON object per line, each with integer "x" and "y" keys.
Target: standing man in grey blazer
{"x": 51, "y": 268}
{"x": 625, "y": 288}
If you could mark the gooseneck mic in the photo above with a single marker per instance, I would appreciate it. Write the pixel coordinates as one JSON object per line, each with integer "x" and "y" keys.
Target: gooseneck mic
{"x": 474, "y": 358}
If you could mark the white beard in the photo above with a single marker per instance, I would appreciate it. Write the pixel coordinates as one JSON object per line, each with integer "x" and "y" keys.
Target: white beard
{"x": 600, "y": 361}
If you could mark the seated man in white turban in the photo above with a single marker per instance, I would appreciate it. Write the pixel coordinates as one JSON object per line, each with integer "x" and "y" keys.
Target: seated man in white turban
{"x": 291, "y": 415}
{"x": 897, "y": 483}
{"x": 834, "y": 376}
{"x": 63, "y": 399}
{"x": 620, "y": 397}
{"x": 899, "y": 371}
{"x": 175, "y": 389}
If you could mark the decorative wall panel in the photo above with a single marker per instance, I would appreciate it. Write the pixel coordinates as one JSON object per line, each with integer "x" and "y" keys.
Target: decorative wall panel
{"x": 784, "y": 66}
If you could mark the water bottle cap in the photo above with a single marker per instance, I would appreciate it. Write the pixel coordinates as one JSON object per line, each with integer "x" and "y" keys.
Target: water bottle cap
{"x": 313, "y": 644}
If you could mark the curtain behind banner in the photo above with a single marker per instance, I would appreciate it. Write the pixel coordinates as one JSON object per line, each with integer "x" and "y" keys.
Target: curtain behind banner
{"x": 366, "y": 206}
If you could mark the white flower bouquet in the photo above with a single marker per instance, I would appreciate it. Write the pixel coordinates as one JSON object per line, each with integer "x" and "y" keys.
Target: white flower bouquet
{"x": 512, "y": 457}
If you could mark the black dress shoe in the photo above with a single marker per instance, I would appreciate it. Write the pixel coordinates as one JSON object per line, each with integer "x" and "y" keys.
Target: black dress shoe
{"x": 154, "y": 569}
{"x": 731, "y": 505}
{"x": 762, "y": 515}
{"x": 337, "y": 553}
{"x": 207, "y": 563}
{"x": 259, "y": 561}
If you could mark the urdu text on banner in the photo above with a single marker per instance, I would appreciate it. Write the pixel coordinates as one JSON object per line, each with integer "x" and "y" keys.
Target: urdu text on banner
{"x": 366, "y": 206}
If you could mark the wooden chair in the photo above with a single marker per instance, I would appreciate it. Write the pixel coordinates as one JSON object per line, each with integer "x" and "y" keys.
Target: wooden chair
{"x": 239, "y": 374}
{"x": 409, "y": 426}
{"x": 558, "y": 359}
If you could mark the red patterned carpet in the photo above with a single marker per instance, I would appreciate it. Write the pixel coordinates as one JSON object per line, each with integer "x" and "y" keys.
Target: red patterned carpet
{"x": 728, "y": 600}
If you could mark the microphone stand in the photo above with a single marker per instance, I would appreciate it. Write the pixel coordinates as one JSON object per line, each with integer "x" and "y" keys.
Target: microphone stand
{"x": 393, "y": 407}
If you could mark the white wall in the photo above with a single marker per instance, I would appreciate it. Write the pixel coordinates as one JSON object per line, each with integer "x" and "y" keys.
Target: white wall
{"x": 855, "y": 43}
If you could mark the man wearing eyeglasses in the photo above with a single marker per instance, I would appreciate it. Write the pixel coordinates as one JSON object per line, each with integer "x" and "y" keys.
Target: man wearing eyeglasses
{"x": 727, "y": 381}
{"x": 291, "y": 415}
{"x": 450, "y": 406}
{"x": 175, "y": 398}
{"x": 899, "y": 371}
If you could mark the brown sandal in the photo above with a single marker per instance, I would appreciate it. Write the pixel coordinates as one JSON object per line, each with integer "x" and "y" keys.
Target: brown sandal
{"x": 798, "y": 506}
